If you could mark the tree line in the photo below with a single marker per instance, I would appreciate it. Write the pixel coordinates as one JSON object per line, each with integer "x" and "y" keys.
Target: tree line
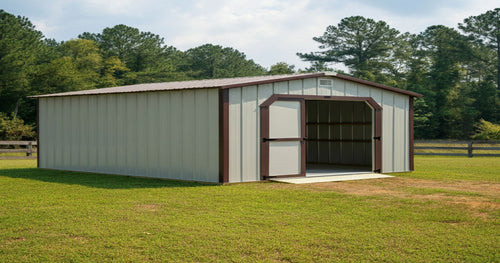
{"x": 457, "y": 71}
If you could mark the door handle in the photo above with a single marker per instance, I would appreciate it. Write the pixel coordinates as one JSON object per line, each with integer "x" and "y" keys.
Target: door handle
{"x": 268, "y": 139}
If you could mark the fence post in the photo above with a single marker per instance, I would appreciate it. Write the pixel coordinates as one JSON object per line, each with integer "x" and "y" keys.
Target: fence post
{"x": 28, "y": 149}
{"x": 469, "y": 150}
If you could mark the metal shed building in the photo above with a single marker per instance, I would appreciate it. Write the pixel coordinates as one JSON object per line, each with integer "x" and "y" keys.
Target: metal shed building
{"x": 229, "y": 130}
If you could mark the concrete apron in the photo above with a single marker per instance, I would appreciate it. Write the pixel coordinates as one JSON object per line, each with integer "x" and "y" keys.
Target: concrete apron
{"x": 330, "y": 178}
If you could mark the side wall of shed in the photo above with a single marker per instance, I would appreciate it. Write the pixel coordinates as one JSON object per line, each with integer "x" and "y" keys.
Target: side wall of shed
{"x": 244, "y": 122}
{"x": 168, "y": 134}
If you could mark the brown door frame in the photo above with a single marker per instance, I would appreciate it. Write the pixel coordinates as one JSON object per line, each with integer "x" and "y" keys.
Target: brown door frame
{"x": 265, "y": 140}
{"x": 264, "y": 129}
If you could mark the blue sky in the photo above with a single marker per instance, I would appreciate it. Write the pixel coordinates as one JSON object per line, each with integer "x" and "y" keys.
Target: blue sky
{"x": 266, "y": 31}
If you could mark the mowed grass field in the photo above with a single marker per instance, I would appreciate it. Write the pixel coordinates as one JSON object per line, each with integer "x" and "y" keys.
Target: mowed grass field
{"x": 445, "y": 211}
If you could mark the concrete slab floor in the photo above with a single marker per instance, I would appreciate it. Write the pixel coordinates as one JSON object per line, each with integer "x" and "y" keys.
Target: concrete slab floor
{"x": 330, "y": 178}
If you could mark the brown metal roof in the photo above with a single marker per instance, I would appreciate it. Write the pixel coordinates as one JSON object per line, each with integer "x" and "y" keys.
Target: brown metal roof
{"x": 218, "y": 83}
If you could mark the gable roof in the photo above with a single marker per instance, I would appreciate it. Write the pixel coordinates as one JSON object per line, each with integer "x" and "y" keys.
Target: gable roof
{"x": 220, "y": 83}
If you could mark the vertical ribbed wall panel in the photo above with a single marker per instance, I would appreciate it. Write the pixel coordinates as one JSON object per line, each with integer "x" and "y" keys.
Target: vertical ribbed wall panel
{"x": 235, "y": 103}
{"x": 152, "y": 134}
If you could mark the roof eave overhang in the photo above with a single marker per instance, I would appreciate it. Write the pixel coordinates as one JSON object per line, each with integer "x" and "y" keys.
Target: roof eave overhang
{"x": 261, "y": 82}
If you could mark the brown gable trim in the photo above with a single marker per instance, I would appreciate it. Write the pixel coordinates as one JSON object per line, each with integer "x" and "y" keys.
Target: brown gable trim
{"x": 288, "y": 78}
{"x": 275, "y": 97}
{"x": 325, "y": 74}
{"x": 373, "y": 84}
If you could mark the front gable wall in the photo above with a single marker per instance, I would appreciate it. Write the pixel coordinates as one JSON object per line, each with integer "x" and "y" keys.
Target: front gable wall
{"x": 244, "y": 121}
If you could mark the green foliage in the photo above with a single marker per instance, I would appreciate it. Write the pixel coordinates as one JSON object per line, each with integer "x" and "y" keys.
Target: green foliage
{"x": 487, "y": 131}
{"x": 453, "y": 71}
{"x": 143, "y": 53}
{"x": 485, "y": 29}
{"x": 281, "y": 68}
{"x": 361, "y": 44}
{"x": 213, "y": 61}
{"x": 14, "y": 129}
{"x": 19, "y": 45}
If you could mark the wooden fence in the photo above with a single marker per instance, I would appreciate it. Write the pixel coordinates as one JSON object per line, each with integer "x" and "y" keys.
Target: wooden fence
{"x": 458, "y": 148}
{"x": 447, "y": 148}
{"x": 28, "y": 147}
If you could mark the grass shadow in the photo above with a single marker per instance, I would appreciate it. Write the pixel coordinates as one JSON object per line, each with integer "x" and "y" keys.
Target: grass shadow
{"x": 95, "y": 180}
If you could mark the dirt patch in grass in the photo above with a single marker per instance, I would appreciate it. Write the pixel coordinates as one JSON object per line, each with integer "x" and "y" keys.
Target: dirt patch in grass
{"x": 148, "y": 207}
{"x": 480, "y": 198}
{"x": 394, "y": 186}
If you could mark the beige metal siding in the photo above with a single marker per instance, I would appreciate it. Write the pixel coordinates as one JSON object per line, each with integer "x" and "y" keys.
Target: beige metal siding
{"x": 243, "y": 121}
{"x": 168, "y": 134}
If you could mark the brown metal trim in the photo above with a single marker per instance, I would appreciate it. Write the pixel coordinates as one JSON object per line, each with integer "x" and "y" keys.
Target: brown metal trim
{"x": 264, "y": 145}
{"x": 378, "y": 141}
{"x": 250, "y": 83}
{"x": 411, "y": 132}
{"x": 339, "y": 123}
{"x": 373, "y": 84}
{"x": 223, "y": 136}
{"x": 288, "y": 78}
{"x": 264, "y": 125}
{"x": 333, "y": 140}
{"x": 264, "y": 134}
{"x": 303, "y": 136}
{"x": 285, "y": 139}
{"x": 323, "y": 74}
{"x": 275, "y": 97}
{"x": 38, "y": 133}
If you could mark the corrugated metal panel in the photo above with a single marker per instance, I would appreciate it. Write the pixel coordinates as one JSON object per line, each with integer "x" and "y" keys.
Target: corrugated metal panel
{"x": 249, "y": 111}
{"x": 338, "y": 87}
{"x": 263, "y": 93}
{"x": 165, "y": 137}
{"x": 158, "y": 134}
{"x": 235, "y": 149}
{"x": 387, "y": 132}
{"x": 295, "y": 87}
{"x": 401, "y": 161}
{"x": 310, "y": 86}
{"x": 391, "y": 114}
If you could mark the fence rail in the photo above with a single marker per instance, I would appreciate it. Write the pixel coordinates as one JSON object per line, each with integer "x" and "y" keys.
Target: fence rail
{"x": 458, "y": 148}
{"x": 28, "y": 147}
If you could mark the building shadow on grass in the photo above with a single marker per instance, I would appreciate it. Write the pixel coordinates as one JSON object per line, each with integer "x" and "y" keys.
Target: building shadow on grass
{"x": 95, "y": 180}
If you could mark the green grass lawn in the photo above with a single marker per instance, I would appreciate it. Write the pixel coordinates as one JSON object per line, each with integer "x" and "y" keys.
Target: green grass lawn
{"x": 445, "y": 211}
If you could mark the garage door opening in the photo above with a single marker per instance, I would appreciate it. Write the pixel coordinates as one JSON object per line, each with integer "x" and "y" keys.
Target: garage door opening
{"x": 339, "y": 137}
{"x": 304, "y": 135}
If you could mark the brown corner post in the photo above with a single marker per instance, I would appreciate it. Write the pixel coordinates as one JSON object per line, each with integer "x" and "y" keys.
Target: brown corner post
{"x": 264, "y": 145}
{"x": 38, "y": 133}
{"x": 303, "y": 139}
{"x": 223, "y": 135}
{"x": 410, "y": 129}
{"x": 378, "y": 141}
